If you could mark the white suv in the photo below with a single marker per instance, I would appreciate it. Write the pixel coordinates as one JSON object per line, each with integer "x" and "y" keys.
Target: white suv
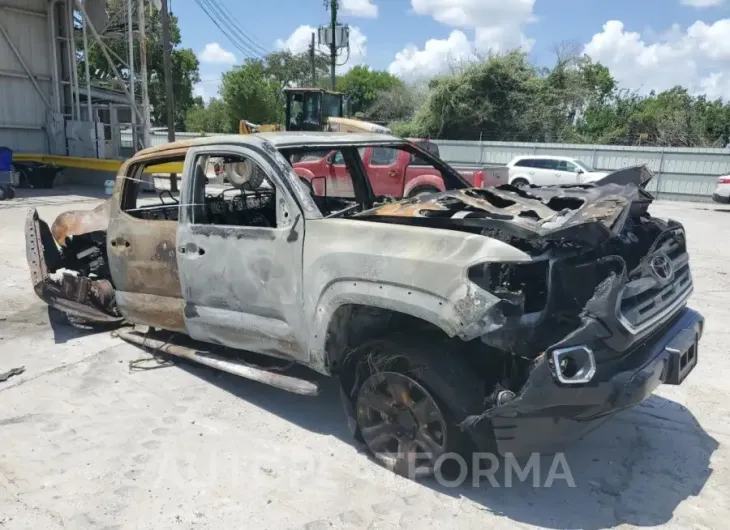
{"x": 550, "y": 171}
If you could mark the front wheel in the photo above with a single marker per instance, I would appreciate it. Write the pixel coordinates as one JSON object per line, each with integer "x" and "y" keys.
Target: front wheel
{"x": 414, "y": 393}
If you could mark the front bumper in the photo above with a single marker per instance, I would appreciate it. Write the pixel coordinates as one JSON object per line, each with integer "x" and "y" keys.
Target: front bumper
{"x": 546, "y": 416}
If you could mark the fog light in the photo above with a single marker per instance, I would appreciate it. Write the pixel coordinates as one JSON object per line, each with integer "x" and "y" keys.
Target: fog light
{"x": 575, "y": 365}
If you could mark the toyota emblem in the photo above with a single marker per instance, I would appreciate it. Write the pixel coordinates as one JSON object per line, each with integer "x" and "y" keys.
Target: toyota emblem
{"x": 662, "y": 267}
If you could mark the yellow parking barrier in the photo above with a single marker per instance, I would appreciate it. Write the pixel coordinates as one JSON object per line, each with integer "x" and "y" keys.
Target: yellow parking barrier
{"x": 97, "y": 164}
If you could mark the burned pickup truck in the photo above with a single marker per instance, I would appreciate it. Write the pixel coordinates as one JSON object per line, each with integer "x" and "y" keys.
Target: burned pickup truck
{"x": 499, "y": 319}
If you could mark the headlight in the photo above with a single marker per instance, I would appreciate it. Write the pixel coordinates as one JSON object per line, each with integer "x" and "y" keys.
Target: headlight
{"x": 521, "y": 284}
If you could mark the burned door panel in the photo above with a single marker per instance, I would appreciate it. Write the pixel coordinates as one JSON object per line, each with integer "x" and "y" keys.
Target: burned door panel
{"x": 144, "y": 266}
{"x": 242, "y": 285}
{"x": 141, "y": 244}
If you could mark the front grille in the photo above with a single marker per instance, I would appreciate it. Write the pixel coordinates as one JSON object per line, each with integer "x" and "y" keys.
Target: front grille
{"x": 648, "y": 297}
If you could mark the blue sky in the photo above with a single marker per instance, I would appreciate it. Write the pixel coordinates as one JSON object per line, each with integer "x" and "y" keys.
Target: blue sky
{"x": 649, "y": 44}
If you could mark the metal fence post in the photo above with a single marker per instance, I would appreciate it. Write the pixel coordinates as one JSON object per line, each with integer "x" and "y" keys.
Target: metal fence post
{"x": 481, "y": 150}
{"x": 659, "y": 174}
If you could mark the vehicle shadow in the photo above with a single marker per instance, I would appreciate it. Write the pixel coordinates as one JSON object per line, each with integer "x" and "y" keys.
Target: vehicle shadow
{"x": 636, "y": 468}
{"x": 64, "y": 331}
{"x": 322, "y": 414}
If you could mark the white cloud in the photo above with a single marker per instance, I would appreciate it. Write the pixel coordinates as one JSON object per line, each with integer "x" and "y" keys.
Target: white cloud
{"x": 436, "y": 56}
{"x": 299, "y": 41}
{"x": 498, "y": 27}
{"x": 475, "y": 13}
{"x": 358, "y": 48}
{"x": 697, "y": 58}
{"x": 701, "y": 4}
{"x": 301, "y": 38}
{"x": 359, "y": 8}
{"x": 214, "y": 53}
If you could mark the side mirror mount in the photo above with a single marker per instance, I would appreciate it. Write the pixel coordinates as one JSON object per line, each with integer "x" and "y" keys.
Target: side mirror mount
{"x": 580, "y": 171}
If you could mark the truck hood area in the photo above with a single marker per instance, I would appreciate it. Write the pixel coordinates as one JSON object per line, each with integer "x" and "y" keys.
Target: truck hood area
{"x": 583, "y": 215}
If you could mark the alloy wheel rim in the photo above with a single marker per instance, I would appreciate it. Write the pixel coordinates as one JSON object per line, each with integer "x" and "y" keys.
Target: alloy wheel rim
{"x": 401, "y": 423}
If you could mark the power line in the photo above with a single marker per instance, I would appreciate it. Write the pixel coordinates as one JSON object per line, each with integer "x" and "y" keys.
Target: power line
{"x": 239, "y": 27}
{"x": 203, "y": 4}
{"x": 234, "y": 27}
{"x": 230, "y": 29}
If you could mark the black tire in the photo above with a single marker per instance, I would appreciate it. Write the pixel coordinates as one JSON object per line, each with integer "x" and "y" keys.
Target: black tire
{"x": 420, "y": 190}
{"x": 10, "y": 191}
{"x": 435, "y": 362}
{"x": 3, "y": 193}
{"x": 520, "y": 183}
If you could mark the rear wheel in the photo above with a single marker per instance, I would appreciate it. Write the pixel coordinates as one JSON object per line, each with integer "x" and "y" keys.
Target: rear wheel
{"x": 520, "y": 183}
{"x": 423, "y": 190}
{"x": 410, "y": 396}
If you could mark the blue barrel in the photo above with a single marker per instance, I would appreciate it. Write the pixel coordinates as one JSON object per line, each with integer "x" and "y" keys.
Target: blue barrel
{"x": 6, "y": 158}
{"x": 6, "y": 164}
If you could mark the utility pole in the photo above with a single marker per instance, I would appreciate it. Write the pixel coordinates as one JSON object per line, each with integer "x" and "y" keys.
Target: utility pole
{"x": 85, "y": 23}
{"x": 143, "y": 72}
{"x": 167, "y": 67}
{"x": 333, "y": 44}
{"x": 312, "y": 59}
{"x": 130, "y": 60}
{"x": 169, "y": 94}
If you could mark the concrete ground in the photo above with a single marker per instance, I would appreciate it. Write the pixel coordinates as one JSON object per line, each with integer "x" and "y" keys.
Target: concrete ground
{"x": 87, "y": 441}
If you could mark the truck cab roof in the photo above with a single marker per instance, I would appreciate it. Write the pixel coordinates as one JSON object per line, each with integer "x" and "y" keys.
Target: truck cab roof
{"x": 280, "y": 139}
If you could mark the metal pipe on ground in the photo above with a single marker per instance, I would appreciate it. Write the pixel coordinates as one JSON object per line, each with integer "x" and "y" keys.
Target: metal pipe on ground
{"x": 285, "y": 382}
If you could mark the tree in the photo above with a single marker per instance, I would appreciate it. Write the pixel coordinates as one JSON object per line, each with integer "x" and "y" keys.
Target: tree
{"x": 250, "y": 95}
{"x": 213, "y": 118}
{"x": 395, "y": 104}
{"x": 364, "y": 86}
{"x": 285, "y": 69}
{"x": 184, "y": 62}
{"x": 489, "y": 96}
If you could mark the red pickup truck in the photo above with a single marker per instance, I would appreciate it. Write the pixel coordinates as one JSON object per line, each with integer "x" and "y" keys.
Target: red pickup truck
{"x": 392, "y": 172}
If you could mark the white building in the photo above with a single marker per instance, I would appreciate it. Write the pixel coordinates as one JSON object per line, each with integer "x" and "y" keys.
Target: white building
{"x": 43, "y": 100}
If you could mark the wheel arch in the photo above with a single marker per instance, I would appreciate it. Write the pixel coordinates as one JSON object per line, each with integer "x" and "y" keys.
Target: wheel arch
{"x": 353, "y": 311}
{"x": 425, "y": 180}
{"x": 523, "y": 177}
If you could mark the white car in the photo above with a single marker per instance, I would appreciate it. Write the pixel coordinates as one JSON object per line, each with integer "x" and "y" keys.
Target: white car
{"x": 550, "y": 171}
{"x": 722, "y": 192}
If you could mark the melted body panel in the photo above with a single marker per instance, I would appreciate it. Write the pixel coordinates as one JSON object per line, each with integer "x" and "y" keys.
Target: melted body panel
{"x": 77, "y": 222}
{"x": 400, "y": 268}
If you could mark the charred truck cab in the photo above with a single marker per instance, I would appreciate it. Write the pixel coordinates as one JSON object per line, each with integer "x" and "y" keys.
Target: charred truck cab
{"x": 507, "y": 319}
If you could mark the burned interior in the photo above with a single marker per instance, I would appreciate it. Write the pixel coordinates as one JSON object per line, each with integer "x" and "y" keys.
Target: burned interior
{"x": 74, "y": 276}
